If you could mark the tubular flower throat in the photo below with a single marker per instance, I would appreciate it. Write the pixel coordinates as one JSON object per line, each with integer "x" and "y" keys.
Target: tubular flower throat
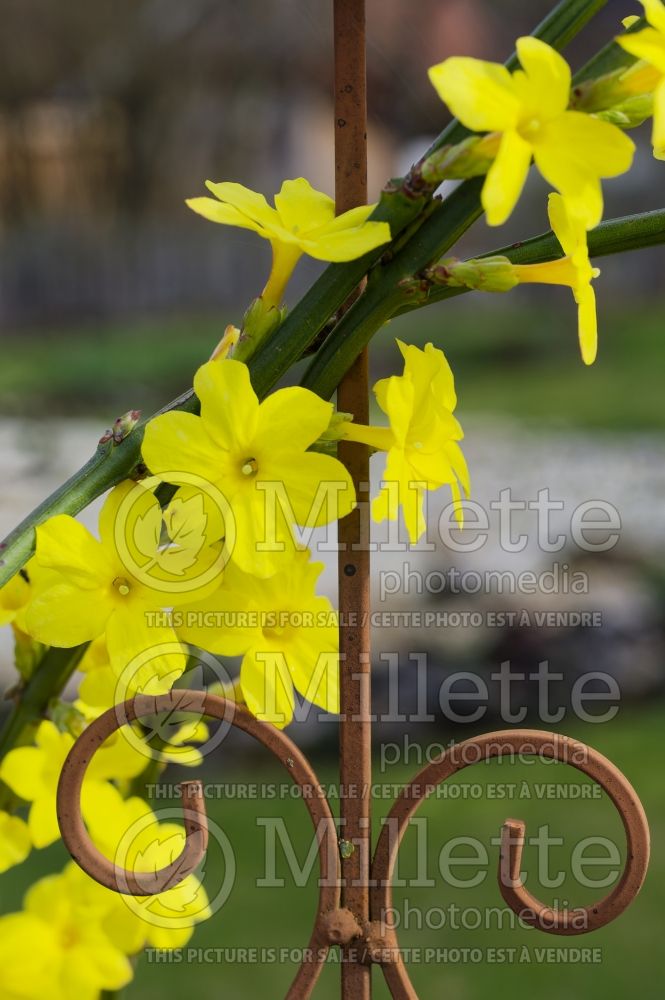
{"x": 572, "y": 150}
{"x": 303, "y": 221}
{"x": 649, "y": 45}
{"x": 421, "y": 442}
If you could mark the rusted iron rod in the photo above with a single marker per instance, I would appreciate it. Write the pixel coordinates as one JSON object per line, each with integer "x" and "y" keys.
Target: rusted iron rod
{"x": 352, "y": 397}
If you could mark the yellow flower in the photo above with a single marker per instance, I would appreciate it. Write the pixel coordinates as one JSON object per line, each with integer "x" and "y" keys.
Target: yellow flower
{"x": 572, "y": 150}
{"x": 256, "y": 456}
{"x": 303, "y": 221}
{"x": 421, "y": 441}
{"x": 287, "y": 636}
{"x": 14, "y": 841}
{"x": 32, "y": 772}
{"x": 128, "y": 832}
{"x": 98, "y": 588}
{"x": 649, "y": 45}
{"x": 56, "y": 948}
{"x": 573, "y": 270}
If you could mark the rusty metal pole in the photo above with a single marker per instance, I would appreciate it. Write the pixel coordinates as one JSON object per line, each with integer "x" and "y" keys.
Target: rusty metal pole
{"x": 354, "y": 569}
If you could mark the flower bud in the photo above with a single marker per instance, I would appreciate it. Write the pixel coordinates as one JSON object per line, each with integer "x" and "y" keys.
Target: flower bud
{"x": 485, "y": 274}
{"x": 471, "y": 158}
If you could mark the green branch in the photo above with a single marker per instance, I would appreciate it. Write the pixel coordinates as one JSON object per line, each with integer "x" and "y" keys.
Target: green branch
{"x": 629, "y": 232}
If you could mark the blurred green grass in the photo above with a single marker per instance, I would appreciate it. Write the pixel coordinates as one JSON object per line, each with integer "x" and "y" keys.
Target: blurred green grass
{"x": 514, "y": 357}
{"x": 280, "y": 917}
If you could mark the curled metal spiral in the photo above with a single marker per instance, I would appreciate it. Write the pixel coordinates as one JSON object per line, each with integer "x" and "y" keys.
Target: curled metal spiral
{"x": 376, "y": 942}
{"x": 92, "y": 861}
{"x": 522, "y": 742}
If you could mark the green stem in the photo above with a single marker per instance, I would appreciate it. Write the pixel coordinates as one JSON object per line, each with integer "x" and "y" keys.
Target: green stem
{"x": 630, "y": 232}
{"x": 400, "y": 205}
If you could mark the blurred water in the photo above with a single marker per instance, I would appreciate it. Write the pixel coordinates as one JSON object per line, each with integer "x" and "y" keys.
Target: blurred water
{"x": 625, "y": 471}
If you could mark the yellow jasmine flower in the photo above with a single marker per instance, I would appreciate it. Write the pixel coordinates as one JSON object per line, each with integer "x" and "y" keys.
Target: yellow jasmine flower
{"x": 14, "y": 841}
{"x": 287, "y": 636}
{"x": 573, "y": 270}
{"x": 303, "y": 221}
{"x": 128, "y": 832}
{"x": 32, "y": 772}
{"x": 99, "y": 588}
{"x": 421, "y": 441}
{"x": 572, "y": 150}
{"x": 55, "y": 948}
{"x": 649, "y": 45}
{"x": 255, "y": 454}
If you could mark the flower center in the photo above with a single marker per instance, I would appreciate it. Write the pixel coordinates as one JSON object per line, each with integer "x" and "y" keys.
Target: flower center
{"x": 530, "y": 128}
{"x": 249, "y": 467}
{"x": 122, "y": 586}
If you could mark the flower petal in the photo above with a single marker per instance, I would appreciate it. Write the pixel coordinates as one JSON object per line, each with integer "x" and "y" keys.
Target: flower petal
{"x": 301, "y": 208}
{"x": 481, "y": 94}
{"x": 267, "y": 687}
{"x": 319, "y": 489}
{"x": 658, "y": 133}
{"x": 547, "y": 76}
{"x": 250, "y": 203}
{"x": 648, "y": 45}
{"x": 217, "y": 211}
{"x": 229, "y": 405}
{"x": 348, "y": 244}
{"x": 145, "y": 654}
{"x": 587, "y": 323}
{"x": 506, "y": 178}
{"x": 179, "y": 442}
{"x": 291, "y": 419}
{"x": 65, "y": 545}
{"x": 64, "y": 615}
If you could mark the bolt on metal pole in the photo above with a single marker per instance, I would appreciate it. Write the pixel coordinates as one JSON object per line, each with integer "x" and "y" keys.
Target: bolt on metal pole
{"x": 354, "y": 568}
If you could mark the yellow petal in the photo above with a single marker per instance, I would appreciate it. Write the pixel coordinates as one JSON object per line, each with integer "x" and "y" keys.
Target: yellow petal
{"x": 301, "y": 208}
{"x": 313, "y": 661}
{"x": 506, "y": 178}
{"x": 481, "y": 94}
{"x": 14, "y": 841}
{"x": 142, "y": 651}
{"x": 66, "y": 616}
{"x": 23, "y": 770}
{"x": 348, "y": 244}
{"x": 547, "y": 76}
{"x": 587, "y": 324}
{"x": 216, "y": 211}
{"x": 348, "y": 220}
{"x": 658, "y": 133}
{"x": 648, "y": 45}
{"x": 250, "y": 203}
{"x": 655, "y": 12}
{"x": 179, "y": 442}
{"x": 267, "y": 687}
{"x": 569, "y": 231}
{"x": 291, "y": 420}
{"x": 43, "y": 821}
{"x": 319, "y": 489}
{"x": 63, "y": 544}
{"x": 574, "y": 151}
{"x": 229, "y": 406}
